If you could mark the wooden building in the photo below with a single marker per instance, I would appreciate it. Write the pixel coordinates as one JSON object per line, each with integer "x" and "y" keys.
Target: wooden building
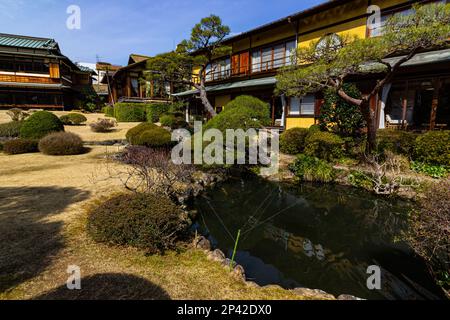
{"x": 129, "y": 84}
{"x": 422, "y": 85}
{"x": 35, "y": 74}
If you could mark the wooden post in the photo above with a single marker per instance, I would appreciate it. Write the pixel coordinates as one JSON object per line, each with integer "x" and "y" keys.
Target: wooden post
{"x": 273, "y": 111}
{"x": 437, "y": 83}
{"x": 405, "y": 105}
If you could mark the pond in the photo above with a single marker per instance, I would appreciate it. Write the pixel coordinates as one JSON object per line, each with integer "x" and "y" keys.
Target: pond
{"x": 318, "y": 237}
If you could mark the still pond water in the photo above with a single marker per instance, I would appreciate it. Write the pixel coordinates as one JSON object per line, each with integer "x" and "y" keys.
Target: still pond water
{"x": 321, "y": 237}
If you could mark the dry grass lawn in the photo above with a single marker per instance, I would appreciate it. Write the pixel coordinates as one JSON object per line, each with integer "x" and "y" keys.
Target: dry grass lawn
{"x": 43, "y": 203}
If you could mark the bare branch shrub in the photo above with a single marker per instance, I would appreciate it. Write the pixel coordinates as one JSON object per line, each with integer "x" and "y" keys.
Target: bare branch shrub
{"x": 152, "y": 171}
{"x": 103, "y": 125}
{"x": 17, "y": 114}
{"x": 385, "y": 173}
{"x": 429, "y": 232}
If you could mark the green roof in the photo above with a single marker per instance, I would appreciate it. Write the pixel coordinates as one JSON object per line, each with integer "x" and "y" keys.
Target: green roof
{"x": 10, "y": 40}
{"x": 232, "y": 85}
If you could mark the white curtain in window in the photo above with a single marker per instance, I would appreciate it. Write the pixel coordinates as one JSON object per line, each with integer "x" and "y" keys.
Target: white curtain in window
{"x": 266, "y": 59}
{"x": 278, "y": 56}
{"x": 308, "y": 105}
{"x": 256, "y": 61}
{"x": 295, "y": 106}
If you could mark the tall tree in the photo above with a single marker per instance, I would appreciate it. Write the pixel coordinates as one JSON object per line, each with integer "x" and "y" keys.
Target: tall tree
{"x": 188, "y": 64}
{"x": 329, "y": 63}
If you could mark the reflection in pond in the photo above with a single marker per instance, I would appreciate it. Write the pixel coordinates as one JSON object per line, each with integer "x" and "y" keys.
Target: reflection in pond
{"x": 320, "y": 237}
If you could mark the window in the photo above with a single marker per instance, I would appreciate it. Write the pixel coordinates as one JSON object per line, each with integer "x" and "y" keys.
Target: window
{"x": 377, "y": 30}
{"x": 240, "y": 64}
{"x": 134, "y": 87}
{"x": 25, "y": 65}
{"x": 219, "y": 70}
{"x": 304, "y": 106}
{"x": 273, "y": 57}
{"x": 256, "y": 61}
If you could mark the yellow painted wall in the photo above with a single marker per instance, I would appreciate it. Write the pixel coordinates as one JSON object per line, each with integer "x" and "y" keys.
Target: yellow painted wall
{"x": 273, "y": 35}
{"x": 221, "y": 101}
{"x": 299, "y": 123}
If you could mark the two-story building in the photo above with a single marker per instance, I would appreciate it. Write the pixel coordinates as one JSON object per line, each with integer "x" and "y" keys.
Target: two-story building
{"x": 35, "y": 74}
{"x": 258, "y": 54}
{"x": 129, "y": 84}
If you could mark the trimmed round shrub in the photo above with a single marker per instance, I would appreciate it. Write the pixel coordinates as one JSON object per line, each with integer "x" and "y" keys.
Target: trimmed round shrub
{"x": 324, "y": 145}
{"x": 61, "y": 144}
{"x": 134, "y": 133}
{"x": 293, "y": 141}
{"x": 129, "y": 112}
{"x": 397, "y": 141}
{"x": 73, "y": 119}
{"x": 154, "y": 138}
{"x": 150, "y": 222}
{"x": 433, "y": 148}
{"x": 20, "y": 146}
{"x": 244, "y": 112}
{"x": 40, "y": 124}
{"x": 10, "y": 129}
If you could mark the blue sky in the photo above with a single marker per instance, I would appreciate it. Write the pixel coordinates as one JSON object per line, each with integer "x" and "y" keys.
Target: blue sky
{"x": 112, "y": 29}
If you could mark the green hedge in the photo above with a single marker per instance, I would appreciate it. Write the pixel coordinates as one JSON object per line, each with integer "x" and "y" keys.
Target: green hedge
{"x": 108, "y": 111}
{"x": 433, "y": 148}
{"x": 130, "y": 112}
{"x": 156, "y": 110}
{"x": 397, "y": 141}
{"x": 39, "y": 124}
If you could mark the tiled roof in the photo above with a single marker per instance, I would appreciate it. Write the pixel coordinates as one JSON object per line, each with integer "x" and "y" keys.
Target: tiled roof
{"x": 136, "y": 58}
{"x": 27, "y": 42}
{"x": 85, "y": 69}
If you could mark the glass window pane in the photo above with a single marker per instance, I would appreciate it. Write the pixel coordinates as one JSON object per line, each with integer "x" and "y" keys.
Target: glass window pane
{"x": 266, "y": 59}
{"x": 256, "y": 61}
{"x": 278, "y": 56}
{"x": 308, "y": 105}
{"x": 208, "y": 76}
{"x": 295, "y": 106}
{"x": 290, "y": 50}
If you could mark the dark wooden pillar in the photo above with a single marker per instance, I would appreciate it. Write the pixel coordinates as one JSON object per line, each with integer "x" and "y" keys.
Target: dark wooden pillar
{"x": 405, "y": 106}
{"x": 437, "y": 84}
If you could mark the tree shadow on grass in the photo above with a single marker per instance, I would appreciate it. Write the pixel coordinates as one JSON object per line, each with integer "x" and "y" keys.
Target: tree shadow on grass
{"x": 114, "y": 286}
{"x": 28, "y": 241}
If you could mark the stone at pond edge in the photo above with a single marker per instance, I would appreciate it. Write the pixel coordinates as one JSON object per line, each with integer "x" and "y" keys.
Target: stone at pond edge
{"x": 313, "y": 294}
{"x": 217, "y": 255}
{"x": 202, "y": 243}
{"x": 239, "y": 272}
